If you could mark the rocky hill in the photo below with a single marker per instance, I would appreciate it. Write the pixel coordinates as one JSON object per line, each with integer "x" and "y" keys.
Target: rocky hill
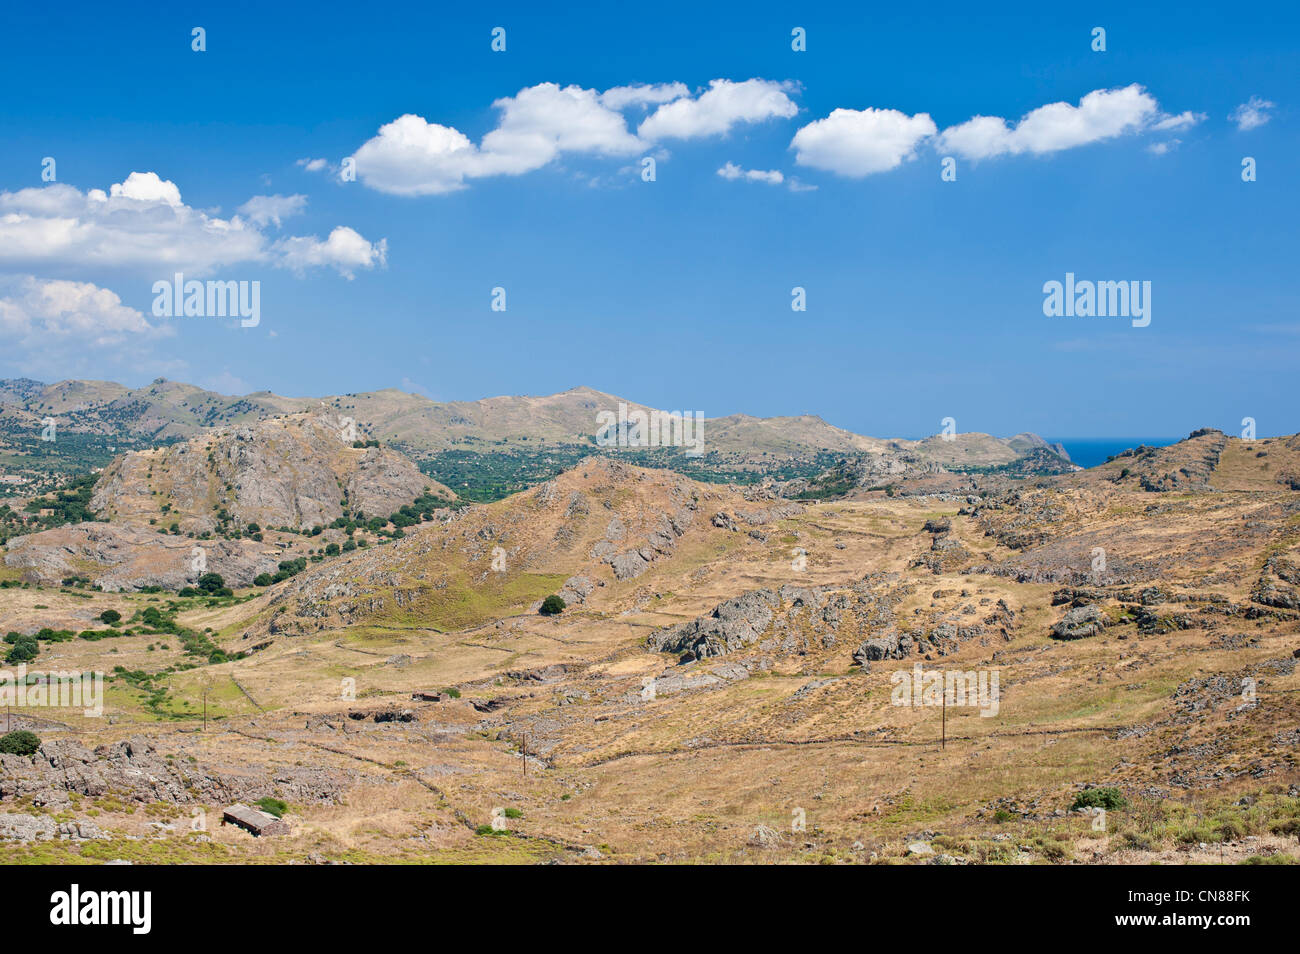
{"x": 237, "y": 501}
{"x": 301, "y": 470}
{"x": 588, "y": 535}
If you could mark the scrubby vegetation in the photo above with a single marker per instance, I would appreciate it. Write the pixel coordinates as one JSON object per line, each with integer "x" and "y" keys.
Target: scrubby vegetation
{"x": 20, "y": 742}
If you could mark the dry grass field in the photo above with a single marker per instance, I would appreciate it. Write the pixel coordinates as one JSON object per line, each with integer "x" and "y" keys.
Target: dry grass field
{"x": 568, "y": 738}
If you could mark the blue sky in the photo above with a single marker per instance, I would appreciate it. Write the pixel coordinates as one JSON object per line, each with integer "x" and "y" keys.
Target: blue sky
{"x": 924, "y": 297}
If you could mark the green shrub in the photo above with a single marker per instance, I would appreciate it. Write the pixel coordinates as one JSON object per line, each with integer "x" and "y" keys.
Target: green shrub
{"x": 552, "y": 605}
{"x": 1108, "y": 798}
{"x": 111, "y": 617}
{"x": 20, "y": 742}
{"x": 272, "y": 806}
{"x": 25, "y": 649}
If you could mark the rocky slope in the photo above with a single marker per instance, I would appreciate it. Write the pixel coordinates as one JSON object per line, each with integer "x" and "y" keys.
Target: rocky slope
{"x": 168, "y": 515}
{"x": 295, "y": 471}
{"x": 119, "y": 557}
{"x": 598, "y": 525}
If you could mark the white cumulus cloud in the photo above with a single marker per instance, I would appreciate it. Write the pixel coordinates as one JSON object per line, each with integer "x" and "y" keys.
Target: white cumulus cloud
{"x": 141, "y": 223}
{"x": 715, "y": 111}
{"x": 412, "y": 156}
{"x": 34, "y": 312}
{"x": 147, "y": 187}
{"x": 344, "y": 250}
{"x": 859, "y": 142}
{"x": 1101, "y": 114}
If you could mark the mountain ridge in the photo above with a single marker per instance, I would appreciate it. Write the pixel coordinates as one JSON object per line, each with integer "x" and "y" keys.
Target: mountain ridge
{"x": 421, "y": 426}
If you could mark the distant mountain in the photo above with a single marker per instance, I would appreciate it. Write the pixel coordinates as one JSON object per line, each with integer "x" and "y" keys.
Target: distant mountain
{"x": 166, "y": 410}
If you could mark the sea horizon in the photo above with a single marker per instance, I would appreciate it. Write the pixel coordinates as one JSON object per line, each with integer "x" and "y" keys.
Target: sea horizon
{"x": 1091, "y": 451}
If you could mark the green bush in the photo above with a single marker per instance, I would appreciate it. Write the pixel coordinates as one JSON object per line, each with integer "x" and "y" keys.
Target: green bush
{"x": 25, "y": 649}
{"x": 20, "y": 742}
{"x": 211, "y": 582}
{"x": 552, "y": 605}
{"x": 272, "y": 806}
{"x": 1108, "y": 798}
{"x": 111, "y": 617}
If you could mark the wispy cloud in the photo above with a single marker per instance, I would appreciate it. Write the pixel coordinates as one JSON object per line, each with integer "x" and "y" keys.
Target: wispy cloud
{"x": 1252, "y": 114}
{"x": 733, "y": 172}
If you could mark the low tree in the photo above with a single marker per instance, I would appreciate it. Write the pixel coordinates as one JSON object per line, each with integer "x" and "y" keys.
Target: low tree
{"x": 111, "y": 617}
{"x": 20, "y": 742}
{"x": 25, "y": 648}
{"x": 552, "y": 605}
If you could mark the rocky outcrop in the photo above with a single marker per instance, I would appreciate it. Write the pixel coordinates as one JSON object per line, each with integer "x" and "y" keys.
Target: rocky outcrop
{"x": 889, "y": 646}
{"x": 660, "y": 541}
{"x": 27, "y": 828}
{"x": 793, "y": 619}
{"x": 134, "y": 770}
{"x": 118, "y": 558}
{"x": 732, "y": 625}
{"x": 1080, "y": 622}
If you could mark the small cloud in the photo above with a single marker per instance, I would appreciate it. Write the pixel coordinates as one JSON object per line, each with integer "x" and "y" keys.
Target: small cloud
{"x": 645, "y": 94}
{"x": 1160, "y": 148}
{"x": 344, "y": 250}
{"x": 733, "y": 172}
{"x": 1184, "y": 120}
{"x": 314, "y": 165}
{"x": 261, "y": 209}
{"x": 147, "y": 187}
{"x": 1100, "y": 115}
{"x": 715, "y": 111}
{"x": 860, "y": 142}
{"x": 1251, "y": 114}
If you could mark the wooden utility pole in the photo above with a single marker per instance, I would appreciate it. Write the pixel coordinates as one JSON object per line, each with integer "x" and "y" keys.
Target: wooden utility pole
{"x": 524, "y": 748}
{"x": 943, "y": 739}
{"x": 205, "y": 708}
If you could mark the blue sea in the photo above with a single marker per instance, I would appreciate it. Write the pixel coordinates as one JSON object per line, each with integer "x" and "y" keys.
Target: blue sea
{"x": 1091, "y": 451}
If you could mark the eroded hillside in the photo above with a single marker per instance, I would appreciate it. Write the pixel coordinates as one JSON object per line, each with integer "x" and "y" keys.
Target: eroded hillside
{"x": 724, "y": 682}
